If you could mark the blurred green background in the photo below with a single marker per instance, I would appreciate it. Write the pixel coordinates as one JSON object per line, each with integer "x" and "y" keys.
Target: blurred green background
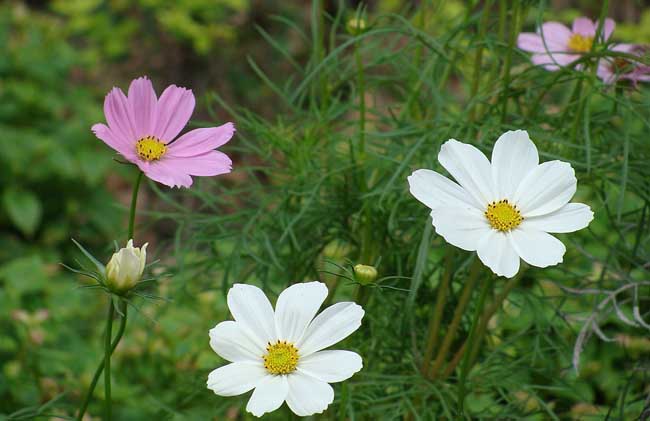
{"x": 57, "y": 61}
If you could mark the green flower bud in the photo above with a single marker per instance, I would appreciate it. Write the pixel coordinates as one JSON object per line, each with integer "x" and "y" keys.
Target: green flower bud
{"x": 355, "y": 25}
{"x": 365, "y": 274}
{"x": 125, "y": 268}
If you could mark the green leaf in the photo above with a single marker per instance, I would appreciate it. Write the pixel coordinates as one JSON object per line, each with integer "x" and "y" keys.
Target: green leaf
{"x": 24, "y": 209}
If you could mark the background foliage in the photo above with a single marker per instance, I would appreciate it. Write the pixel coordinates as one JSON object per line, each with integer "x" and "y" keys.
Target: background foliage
{"x": 329, "y": 126}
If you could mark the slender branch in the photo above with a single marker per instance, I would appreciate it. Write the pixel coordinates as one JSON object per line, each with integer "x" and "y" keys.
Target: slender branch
{"x": 134, "y": 202}
{"x": 107, "y": 358}
{"x": 436, "y": 316}
{"x": 455, "y": 322}
{"x": 474, "y": 337}
{"x": 100, "y": 368}
{"x": 487, "y": 315}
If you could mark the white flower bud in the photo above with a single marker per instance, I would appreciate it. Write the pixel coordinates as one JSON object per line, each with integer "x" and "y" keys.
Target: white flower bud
{"x": 125, "y": 268}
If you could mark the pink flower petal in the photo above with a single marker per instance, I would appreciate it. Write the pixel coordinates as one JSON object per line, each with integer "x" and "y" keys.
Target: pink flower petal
{"x": 553, "y": 62}
{"x": 119, "y": 116}
{"x": 604, "y": 71}
{"x": 142, "y": 99}
{"x": 199, "y": 141}
{"x": 556, "y": 36}
{"x": 165, "y": 172}
{"x": 104, "y": 133}
{"x": 175, "y": 108}
{"x": 584, "y": 26}
{"x": 531, "y": 42}
{"x": 608, "y": 28}
{"x": 207, "y": 164}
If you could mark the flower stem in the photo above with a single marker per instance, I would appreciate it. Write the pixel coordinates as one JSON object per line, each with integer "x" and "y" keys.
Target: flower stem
{"x": 455, "y": 322}
{"x": 508, "y": 63}
{"x": 100, "y": 368}
{"x": 473, "y": 337}
{"x": 134, "y": 202}
{"x": 485, "y": 319}
{"x": 478, "y": 59}
{"x": 107, "y": 358}
{"x": 436, "y": 316}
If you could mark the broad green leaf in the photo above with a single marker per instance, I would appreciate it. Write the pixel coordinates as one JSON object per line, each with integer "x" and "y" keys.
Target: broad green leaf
{"x": 24, "y": 209}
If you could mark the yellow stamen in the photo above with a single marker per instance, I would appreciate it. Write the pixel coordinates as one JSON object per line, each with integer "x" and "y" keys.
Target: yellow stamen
{"x": 580, "y": 43}
{"x": 150, "y": 148}
{"x": 281, "y": 358}
{"x": 503, "y": 216}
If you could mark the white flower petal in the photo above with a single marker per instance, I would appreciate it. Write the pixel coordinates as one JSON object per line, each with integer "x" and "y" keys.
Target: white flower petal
{"x": 307, "y": 395}
{"x": 513, "y": 157}
{"x": 250, "y": 307}
{"x": 231, "y": 341}
{"x": 546, "y": 189}
{"x": 331, "y": 366}
{"x": 461, "y": 227}
{"x": 236, "y": 378}
{"x": 470, "y": 168}
{"x": 435, "y": 190}
{"x": 569, "y": 218}
{"x": 334, "y": 324}
{"x": 497, "y": 253}
{"x": 537, "y": 248}
{"x": 296, "y": 307}
{"x": 268, "y": 395}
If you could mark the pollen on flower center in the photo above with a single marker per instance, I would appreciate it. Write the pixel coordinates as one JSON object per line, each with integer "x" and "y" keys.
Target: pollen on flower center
{"x": 580, "y": 43}
{"x": 150, "y": 148}
{"x": 503, "y": 216}
{"x": 281, "y": 357}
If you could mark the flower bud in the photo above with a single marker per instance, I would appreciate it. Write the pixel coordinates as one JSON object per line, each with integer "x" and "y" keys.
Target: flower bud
{"x": 355, "y": 25}
{"x": 125, "y": 268}
{"x": 365, "y": 274}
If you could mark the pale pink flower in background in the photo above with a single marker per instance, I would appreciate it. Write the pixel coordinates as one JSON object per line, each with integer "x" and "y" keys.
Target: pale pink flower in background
{"x": 613, "y": 69}
{"x": 555, "y": 45}
{"x": 143, "y": 129}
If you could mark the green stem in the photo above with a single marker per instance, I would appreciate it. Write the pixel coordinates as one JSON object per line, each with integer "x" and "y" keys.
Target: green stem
{"x": 473, "y": 336}
{"x": 436, "y": 316}
{"x": 100, "y": 368}
{"x": 455, "y": 322}
{"x": 485, "y": 319}
{"x": 361, "y": 82}
{"x": 134, "y": 202}
{"x": 107, "y": 358}
{"x": 508, "y": 63}
{"x": 478, "y": 59}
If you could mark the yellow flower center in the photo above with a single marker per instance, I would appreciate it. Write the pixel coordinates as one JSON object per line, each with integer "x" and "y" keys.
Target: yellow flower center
{"x": 503, "y": 216}
{"x": 150, "y": 148}
{"x": 281, "y": 358}
{"x": 580, "y": 43}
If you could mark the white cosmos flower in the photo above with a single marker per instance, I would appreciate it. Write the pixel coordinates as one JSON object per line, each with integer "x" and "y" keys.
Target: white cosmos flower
{"x": 280, "y": 354}
{"x": 503, "y": 210}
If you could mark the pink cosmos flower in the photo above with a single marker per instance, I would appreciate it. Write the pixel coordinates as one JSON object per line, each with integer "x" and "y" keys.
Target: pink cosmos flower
{"x": 613, "y": 69}
{"x": 142, "y": 128}
{"x": 555, "y": 45}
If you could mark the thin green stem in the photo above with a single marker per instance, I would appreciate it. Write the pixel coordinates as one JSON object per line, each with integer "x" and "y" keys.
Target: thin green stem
{"x": 107, "y": 358}
{"x": 436, "y": 316}
{"x": 134, "y": 203}
{"x": 100, "y": 368}
{"x": 514, "y": 30}
{"x": 473, "y": 337}
{"x": 361, "y": 86}
{"x": 478, "y": 59}
{"x": 485, "y": 319}
{"x": 455, "y": 322}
